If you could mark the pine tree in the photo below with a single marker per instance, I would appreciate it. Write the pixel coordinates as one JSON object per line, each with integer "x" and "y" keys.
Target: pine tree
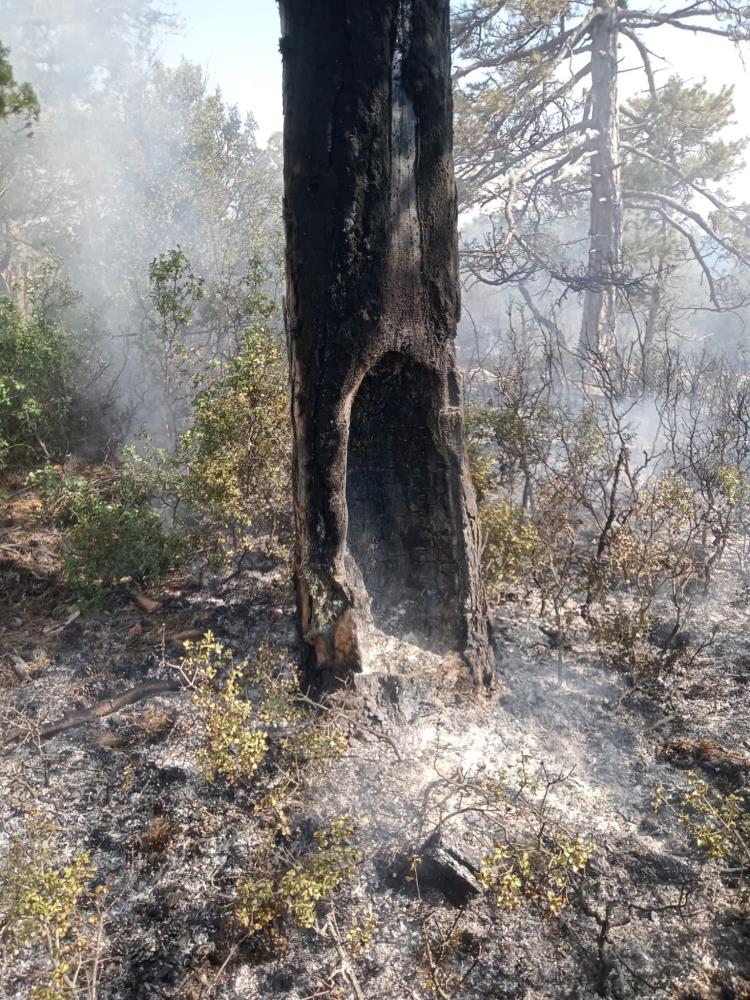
{"x": 540, "y": 123}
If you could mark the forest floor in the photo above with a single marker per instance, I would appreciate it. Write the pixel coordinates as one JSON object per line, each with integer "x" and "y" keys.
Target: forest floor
{"x": 551, "y": 765}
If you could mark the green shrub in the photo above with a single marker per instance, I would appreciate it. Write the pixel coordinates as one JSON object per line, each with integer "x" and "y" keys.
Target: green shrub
{"x": 65, "y": 498}
{"x": 506, "y": 442}
{"x": 732, "y": 484}
{"x": 113, "y": 534}
{"x": 717, "y": 823}
{"x": 509, "y": 544}
{"x": 237, "y": 453}
{"x": 311, "y": 878}
{"x": 534, "y": 859}
{"x": 16, "y": 99}
{"x": 50, "y": 371}
{"x": 481, "y": 465}
{"x": 112, "y": 543}
{"x": 545, "y": 872}
{"x": 481, "y": 461}
{"x": 250, "y": 727}
{"x": 623, "y": 633}
{"x": 37, "y": 361}
{"x": 243, "y": 708}
{"x": 234, "y": 743}
{"x": 231, "y": 469}
{"x": 46, "y": 913}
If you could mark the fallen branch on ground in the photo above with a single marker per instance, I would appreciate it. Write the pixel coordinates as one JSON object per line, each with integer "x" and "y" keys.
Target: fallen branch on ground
{"x": 98, "y": 711}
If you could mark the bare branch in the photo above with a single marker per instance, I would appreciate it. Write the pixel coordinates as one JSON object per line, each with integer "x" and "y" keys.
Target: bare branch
{"x": 712, "y": 290}
{"x": 698, "y": 188}
{"x": 645, "y": 59}
{"x": 696, "y": 217}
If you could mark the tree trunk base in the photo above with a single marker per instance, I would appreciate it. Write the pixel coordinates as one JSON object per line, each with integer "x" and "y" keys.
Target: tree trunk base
{"x": 409, "y": 569}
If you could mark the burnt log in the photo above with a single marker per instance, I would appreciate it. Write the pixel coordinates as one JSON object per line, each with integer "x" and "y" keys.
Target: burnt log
{"x": 385, "y": 516}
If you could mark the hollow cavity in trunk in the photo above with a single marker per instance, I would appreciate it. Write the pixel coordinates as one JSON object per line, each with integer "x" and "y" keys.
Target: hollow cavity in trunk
{"x": 401, "y": 531}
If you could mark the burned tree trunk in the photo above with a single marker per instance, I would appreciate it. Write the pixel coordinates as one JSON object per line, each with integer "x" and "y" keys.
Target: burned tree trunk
{"x": 605, "y": 237}
{"x": 385, "y": 515}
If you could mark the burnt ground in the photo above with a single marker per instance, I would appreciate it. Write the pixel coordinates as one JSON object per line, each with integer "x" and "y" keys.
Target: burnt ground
{"x": 652, "y": 916}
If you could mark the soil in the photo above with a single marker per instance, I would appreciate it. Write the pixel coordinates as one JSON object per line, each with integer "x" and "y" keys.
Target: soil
{"x": 653, "y": 916}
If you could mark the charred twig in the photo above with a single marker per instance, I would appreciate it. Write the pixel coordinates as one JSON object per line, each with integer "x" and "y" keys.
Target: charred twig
{"x": 339, "y": 713}
{"x": 440, "y": 980}
{"x": 605, "y": 962}
{"x": 331, "y": 930}
{"x": 236, "y": 573}
{"x": 211, "y": 987}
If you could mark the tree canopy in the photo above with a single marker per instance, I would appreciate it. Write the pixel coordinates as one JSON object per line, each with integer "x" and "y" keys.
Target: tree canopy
{"x": 543, "y": 137}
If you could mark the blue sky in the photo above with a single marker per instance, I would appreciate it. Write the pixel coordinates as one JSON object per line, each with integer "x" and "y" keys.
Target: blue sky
{"x": 237, "y": 41}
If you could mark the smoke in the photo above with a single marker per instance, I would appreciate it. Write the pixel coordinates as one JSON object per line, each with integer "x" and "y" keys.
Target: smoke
{"x": 131, "y": 159}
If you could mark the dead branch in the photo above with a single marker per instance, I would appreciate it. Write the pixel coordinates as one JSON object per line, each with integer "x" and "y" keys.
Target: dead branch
{"x": 98, "y": 711}
{"x": 337, "y": 712}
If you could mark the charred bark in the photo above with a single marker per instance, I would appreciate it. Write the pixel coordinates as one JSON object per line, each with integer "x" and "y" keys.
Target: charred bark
{"x": 605, "y": 236}
{"x": 385, "y": 513}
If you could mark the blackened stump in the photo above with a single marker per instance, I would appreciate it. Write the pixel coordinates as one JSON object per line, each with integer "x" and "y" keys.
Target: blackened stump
{"x": 385, "y": 513}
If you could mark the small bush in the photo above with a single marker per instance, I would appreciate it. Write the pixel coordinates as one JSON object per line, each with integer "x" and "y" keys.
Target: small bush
{"x": 233, "y": 742}
{"x": 242, "y": 706}
{"x": 16, "y": 99}
{"x": 236, "y": 455}
{"x": 482, "y": 474}
{"x": 64, "y": 497}
{"x": 732, "y": 484}
{"x": 545, "y": 872}
{"x": 624, "y": 632}
{"x": 361, "y": 936}
{"x": 112, "y": 543}
{"x": 37, "y": 361}
{"x": 50, "y": 371}
{"x": 46, "y": 907}
{"x": 717, "y": 823}
{"x": 251, "y": 729}
{"x": 508, "y": 441}
{"x": 533, "y": 859}
{"x": 230, "y": 470}
{"x": 113, "y": 535}
{"x": 509, "y": 544}
{"x": 481, "y": 458}
{"x": 298, "y": 889}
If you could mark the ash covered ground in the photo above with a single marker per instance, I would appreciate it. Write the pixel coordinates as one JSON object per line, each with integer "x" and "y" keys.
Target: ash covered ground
{"x": 432, "y": 771}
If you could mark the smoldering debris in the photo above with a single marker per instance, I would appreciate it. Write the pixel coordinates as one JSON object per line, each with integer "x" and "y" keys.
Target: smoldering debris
{"x": 451, "y": 796}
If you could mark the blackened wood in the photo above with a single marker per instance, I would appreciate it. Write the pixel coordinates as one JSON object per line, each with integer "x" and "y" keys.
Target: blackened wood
{"x": 385, "y": 513}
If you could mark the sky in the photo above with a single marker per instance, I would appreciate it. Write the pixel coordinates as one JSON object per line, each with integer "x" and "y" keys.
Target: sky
{"x": 238, "y": 42}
